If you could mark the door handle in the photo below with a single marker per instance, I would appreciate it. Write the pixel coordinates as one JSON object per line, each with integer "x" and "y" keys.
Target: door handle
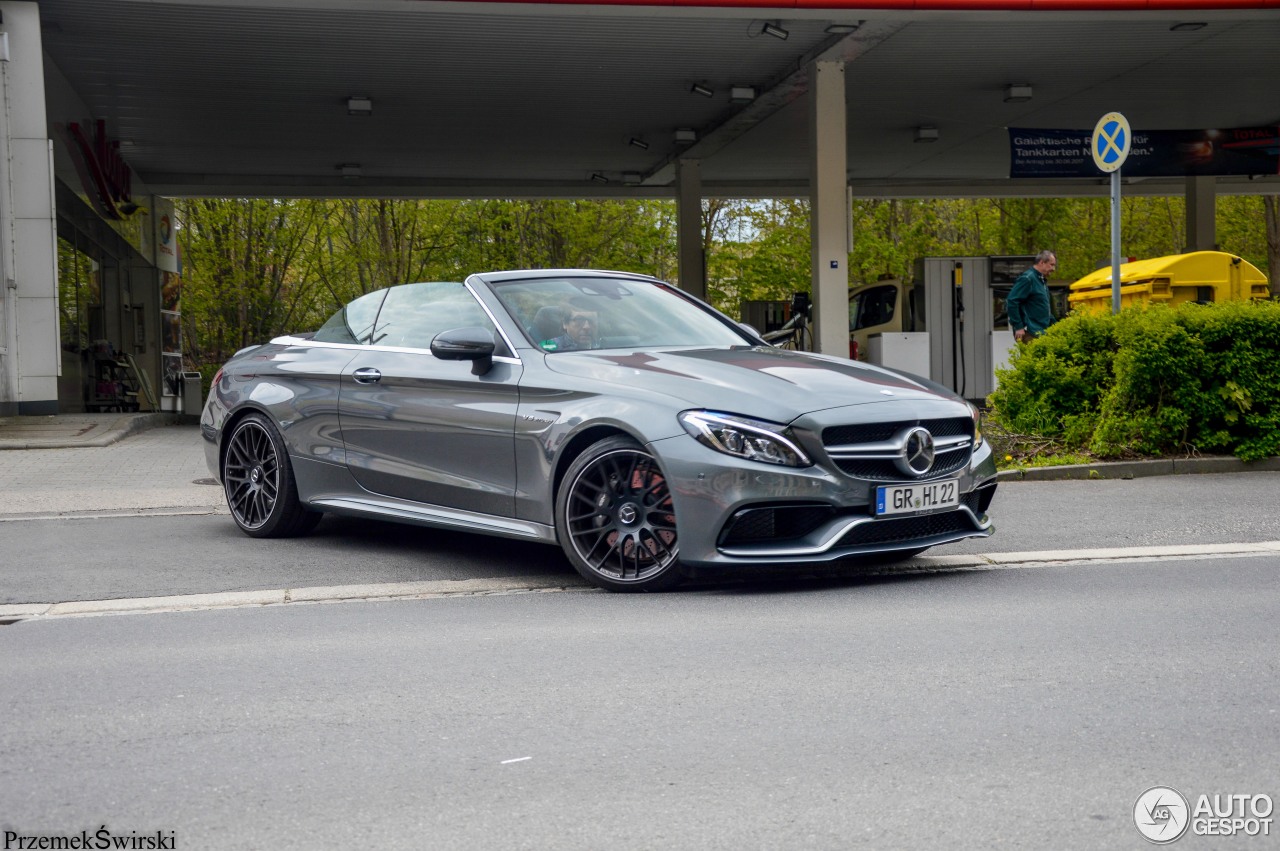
{"x": 366, "y": 375}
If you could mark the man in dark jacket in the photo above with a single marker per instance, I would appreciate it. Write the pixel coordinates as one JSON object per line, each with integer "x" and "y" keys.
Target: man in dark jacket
{"x": 1028, "y": 301}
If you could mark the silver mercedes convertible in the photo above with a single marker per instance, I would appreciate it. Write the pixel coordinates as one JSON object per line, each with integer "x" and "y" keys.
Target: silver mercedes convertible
{"x": 647, "y": 434}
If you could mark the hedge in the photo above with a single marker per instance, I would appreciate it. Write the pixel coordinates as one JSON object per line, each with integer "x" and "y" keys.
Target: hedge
{"x": 1151, "y": 380}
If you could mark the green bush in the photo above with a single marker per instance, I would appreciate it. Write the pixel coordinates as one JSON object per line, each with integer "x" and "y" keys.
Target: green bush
{"x": 1151, "y": 381}
{"x": 1054, "y": 387}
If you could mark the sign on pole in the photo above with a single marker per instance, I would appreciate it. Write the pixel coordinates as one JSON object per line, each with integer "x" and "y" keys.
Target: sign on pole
{"x": 1112, "y": 139}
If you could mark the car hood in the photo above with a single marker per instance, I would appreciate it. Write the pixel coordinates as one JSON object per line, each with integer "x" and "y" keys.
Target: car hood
{"x": 782, "y": 384}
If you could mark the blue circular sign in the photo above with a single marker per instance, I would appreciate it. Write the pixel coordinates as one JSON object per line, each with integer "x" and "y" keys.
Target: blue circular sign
{"x": 1111, "y": 140}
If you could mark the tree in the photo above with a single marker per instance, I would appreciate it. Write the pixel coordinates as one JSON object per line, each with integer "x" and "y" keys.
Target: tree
{"x": 257, "y": 268}
{"x": 1271, "y": 205}
{"x": 240, "y": 278}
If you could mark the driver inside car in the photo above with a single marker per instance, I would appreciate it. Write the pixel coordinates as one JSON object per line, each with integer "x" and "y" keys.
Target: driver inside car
{"x": 580, "y": 326}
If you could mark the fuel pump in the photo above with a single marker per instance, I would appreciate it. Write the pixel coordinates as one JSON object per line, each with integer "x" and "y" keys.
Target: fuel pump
{"x": 966, "y": 295}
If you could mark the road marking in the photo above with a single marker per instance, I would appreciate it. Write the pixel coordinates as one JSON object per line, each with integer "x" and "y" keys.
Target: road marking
{"x": 434, "y": 589}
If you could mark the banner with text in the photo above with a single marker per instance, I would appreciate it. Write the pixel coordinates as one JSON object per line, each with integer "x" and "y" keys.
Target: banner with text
{"x": 1155, "y": 153}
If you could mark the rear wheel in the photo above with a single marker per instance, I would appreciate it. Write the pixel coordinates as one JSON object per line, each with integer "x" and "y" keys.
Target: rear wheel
{"x": 258, "y": 481}
{"x": 615, "y": 519}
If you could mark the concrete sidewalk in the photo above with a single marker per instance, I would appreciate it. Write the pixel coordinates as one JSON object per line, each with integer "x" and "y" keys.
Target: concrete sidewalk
{"x": 103, "y": 463}
{"x": 67, "y": 431}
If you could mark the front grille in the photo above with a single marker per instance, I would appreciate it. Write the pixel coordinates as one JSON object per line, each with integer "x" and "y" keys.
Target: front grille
{"x": 876, "y": 432}
{"x": 898, "y": 530}
{"x": 883, "y": 469}
{"x": 763, "y": 524}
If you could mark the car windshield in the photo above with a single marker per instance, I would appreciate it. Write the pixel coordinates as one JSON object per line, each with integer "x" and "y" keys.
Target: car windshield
{"x": 576, "y": 313}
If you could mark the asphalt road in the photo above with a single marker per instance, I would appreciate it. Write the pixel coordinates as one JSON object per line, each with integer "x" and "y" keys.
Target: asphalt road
{"x": 1017, "y": 707}
{"x": 91, "y": 557}
{"x": 1020, "y": 708}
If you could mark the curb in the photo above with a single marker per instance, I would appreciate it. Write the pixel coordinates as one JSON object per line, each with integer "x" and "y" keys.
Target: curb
{"x": 120, "y": 429}
{"x": 374, "y": 592}
{"x": 11, "y": 613}
{"x": 1140, "y": 469}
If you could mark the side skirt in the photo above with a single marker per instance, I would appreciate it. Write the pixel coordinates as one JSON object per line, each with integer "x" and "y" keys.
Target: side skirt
{"x": 331, "y": 487}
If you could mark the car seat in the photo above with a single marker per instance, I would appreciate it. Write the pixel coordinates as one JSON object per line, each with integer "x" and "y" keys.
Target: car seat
{"x": 548, "y": 323}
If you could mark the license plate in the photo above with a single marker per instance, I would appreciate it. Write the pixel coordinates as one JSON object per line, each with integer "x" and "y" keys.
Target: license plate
{"x": 922, "y": 497}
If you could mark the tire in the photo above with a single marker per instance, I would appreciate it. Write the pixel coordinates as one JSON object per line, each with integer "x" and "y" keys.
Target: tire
{"x": 615, "y": 519}
{"x": 259, "y": 485}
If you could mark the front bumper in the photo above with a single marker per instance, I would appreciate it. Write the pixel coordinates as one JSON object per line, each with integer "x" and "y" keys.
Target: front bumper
{"x": 713, "y": 492}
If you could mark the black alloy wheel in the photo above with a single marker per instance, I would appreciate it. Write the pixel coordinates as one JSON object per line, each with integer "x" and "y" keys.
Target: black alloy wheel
{"x": 615, "y": 519}
{"x": 259, "y": 484}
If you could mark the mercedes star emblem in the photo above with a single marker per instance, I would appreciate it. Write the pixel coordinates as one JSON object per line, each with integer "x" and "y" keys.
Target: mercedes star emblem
{"x": 917, "y": 452}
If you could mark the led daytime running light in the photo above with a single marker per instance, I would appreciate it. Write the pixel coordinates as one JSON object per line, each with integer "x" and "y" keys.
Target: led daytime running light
{"x": 743, "y": 438}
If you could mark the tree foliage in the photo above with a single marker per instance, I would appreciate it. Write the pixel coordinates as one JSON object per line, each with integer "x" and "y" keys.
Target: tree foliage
{"x": 257, "y": 268}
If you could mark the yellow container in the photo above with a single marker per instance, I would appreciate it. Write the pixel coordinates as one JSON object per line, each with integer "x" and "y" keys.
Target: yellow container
{"x": 1198, "y": 276}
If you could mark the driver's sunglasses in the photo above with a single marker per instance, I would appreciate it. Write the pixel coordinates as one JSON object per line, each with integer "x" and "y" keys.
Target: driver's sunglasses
{"x": 581, "y": 320}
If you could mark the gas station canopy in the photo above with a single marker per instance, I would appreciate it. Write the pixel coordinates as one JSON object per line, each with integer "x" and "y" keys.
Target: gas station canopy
{"x": 481, "y": 99}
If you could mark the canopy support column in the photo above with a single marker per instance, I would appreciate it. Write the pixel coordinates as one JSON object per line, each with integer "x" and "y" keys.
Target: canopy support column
{"x": 30, "y": 349}
{"x": 829, "y": 208}
{"x": 693, "y": 263}
{"x": 1201, "y": 220}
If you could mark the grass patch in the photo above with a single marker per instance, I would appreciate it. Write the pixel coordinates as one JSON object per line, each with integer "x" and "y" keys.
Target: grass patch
{"x": 1018, "y": 451}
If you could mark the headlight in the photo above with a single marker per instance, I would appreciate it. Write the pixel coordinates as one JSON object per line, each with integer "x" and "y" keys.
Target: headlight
{"x": 977, "y": 424}
{"x": 742, "y": 437}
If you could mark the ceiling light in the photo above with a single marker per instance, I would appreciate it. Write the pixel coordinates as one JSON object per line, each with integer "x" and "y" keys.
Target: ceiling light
{"x": 686, "y": 136}
{"x": 699, "y": 89}
{"x": 359, "y": 105}
{"x": 843, "y": 29}
{"x": 742, "y": 94}
{"x": 1017, "y": 93}
{"x": 599, "y": 178}
{"x": 638, "y": 143}
{"x": 1189, "y": 26}
{"x": 926, "y": 134}
{"x": 775, "y": 31}
{"x": 350, "y": 170}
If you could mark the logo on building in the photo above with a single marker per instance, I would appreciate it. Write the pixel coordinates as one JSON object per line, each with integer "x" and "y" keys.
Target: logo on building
{"x": 103, "y": 172}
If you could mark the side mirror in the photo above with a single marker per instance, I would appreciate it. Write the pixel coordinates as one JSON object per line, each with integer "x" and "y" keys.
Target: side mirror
{"x": 474, "y": 344}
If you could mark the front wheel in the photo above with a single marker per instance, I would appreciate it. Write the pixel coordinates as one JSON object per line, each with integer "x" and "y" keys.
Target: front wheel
{"x": 615, "y": 519}
{"x": 259, "y": 484}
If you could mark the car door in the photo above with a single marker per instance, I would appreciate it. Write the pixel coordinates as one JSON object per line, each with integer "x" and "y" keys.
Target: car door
{"x": 428, "y": 430}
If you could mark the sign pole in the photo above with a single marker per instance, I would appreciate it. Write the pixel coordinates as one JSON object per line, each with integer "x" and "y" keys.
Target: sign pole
{"x": 1110, "y": 147}
{"x": 1115, "y": 241}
